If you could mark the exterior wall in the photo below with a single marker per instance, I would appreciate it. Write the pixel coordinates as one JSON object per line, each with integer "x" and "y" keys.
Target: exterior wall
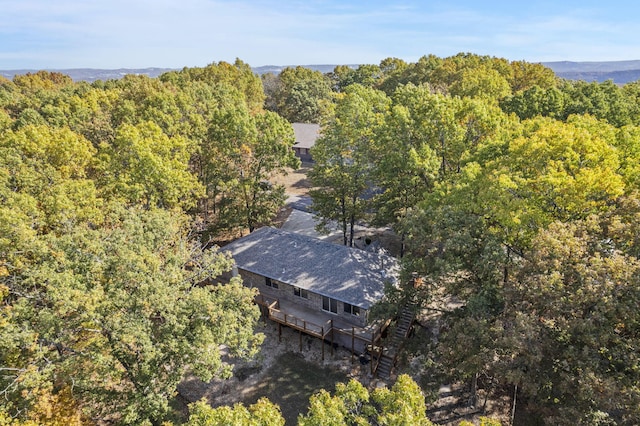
{"x": 304, "y": 154}
{"x": 313, "y": 302}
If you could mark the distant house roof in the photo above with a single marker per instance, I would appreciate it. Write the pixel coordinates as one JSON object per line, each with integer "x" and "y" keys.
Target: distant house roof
{"x": 347, "y": 274}
{"x": 306, "y": 134}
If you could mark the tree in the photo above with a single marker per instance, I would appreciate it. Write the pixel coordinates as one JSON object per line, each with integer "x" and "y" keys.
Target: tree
{"x": 119, "y": 314}
{"x": 535, "y": 101}
{"x": 393, "y": 74}
{"x": 605, "y": 101}
{"x": 406, "y": 163}
{"x": 46, "y": 176}
{"x": 262, "y": 413}
{"x": 343, "y": 158}
{"x": 457, "y": 74}
{"x": 352, "y": 404}
{"x": 271, "y": 153}
{"x": 238, "y": 75}
{"x": 478, "y": 234}
{"x": 572, "y": 314}
{"x": 300, "y": 94}
{"x": 526, "y": 75}
{"x": 144, "y": 165}
{"x": 271, "y": 87}
{"x": 42, "y": 80}
{"x": 240, "y": 156}
{"x": 480, "y": 81}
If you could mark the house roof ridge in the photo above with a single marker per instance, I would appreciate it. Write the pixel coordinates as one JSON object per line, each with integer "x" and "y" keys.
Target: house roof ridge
{"x": 346, "y": 273}
{"x": 318, "y": 241}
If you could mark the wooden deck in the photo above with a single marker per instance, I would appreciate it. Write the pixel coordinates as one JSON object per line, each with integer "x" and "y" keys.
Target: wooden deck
{"x": 316, "y": 324}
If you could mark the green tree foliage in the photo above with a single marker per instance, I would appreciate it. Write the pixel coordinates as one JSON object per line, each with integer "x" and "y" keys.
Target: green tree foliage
{"x": 572, "y": 306}
{"x": 238, "y": 75}
{"x": 42, "y": 80}
{"x": 417, "y": 73}
{"x": 393, "y": 70}
{"x": 476, "y": 82}
{"x": 353, "y": 404}
{"x": 118, "y": 314}
{"x": 91, "y": 114}
{"x": 458, "y": 71}
{"x": 262, "y": 413}
{"x": 517, "y": 196}
{"x": 343, "y": 158}
{"x": 45, "y": 180}
{"x": 535, "y": 101}
{"x": 479, "y": 235}
{"x": 145, "y": 165}
{"x": 526, "y": 75}
{"x": 245, "y": 152}
{"x": 103, "y": 310}
{"x": 602, "y": 100}
{"x": 300, "y": 94}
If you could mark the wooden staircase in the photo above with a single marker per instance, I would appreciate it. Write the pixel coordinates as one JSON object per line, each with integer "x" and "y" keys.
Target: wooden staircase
{"x": 393, "y": 345}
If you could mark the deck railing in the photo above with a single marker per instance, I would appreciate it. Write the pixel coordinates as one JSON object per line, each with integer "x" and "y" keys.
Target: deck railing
{"x": 371, "y": 335}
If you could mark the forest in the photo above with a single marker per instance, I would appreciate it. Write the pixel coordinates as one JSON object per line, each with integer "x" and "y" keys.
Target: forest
{"x": 515, "y": 194}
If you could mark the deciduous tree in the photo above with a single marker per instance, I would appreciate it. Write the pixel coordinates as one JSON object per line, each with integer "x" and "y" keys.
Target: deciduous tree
{"x": 343, "y": 158}
{"x": 118, "y": 314}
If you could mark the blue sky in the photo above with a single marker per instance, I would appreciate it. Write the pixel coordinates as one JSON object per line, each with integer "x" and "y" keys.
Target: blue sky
{"x": 57, "y": 34}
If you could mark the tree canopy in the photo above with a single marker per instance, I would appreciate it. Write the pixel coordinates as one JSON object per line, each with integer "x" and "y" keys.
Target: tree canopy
{"x": 515, "y": 194}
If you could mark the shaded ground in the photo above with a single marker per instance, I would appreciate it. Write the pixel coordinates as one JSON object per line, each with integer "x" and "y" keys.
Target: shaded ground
{"x": 281, "y": 371}
{"x": 296, "y": 181}
{"x": 291, "y": 381}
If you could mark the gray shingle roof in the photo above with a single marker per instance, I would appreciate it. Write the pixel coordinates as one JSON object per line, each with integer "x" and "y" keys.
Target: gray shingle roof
{"x": 346, "y": 274}
{"x": 306, "y": 134}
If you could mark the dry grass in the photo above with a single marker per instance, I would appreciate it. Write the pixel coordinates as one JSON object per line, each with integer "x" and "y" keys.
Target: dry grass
{"x": 281, "y": 372}
{"x": 295, "y": 182}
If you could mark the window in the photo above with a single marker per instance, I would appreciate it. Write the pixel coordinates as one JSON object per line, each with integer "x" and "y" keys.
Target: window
{"x": 270, "y": 283}
{"x": 329, "y": 304}
{"x": 351, "y": 309}
{"x": 300, "y": 292}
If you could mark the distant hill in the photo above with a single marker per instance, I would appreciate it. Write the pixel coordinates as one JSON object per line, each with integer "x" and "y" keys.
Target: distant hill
{"x": 621, "y": 72}
{"x": 275, "y": 69}
{"x": 93, "y": 74}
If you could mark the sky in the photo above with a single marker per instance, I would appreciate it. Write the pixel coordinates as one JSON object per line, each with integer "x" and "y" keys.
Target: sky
{"x": 63, "y": 34}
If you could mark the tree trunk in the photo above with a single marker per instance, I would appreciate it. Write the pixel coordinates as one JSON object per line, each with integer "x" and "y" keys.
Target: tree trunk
{"x": 513, "y": 409}
{"x": 474, "y": 390}
{"x": 352, "y": 220}
{"x": 344, "y": 220}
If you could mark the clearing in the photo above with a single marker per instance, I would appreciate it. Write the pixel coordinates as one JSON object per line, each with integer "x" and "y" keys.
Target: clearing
{"x": 289, "y": 375}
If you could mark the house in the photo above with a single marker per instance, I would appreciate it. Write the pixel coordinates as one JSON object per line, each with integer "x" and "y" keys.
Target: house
{"x": 306, "y": 135}
{"x": 319, "y": 288}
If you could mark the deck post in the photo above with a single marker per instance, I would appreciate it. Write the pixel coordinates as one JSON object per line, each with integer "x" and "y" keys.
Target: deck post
{"x": 353, "y": 341}
{"x": 279, "y": 333}
{"x": 322, "y": 340}
{"x": 300, "y": 332}
{"x": 331, "y": 321}
{"x": 373, "y": 351}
